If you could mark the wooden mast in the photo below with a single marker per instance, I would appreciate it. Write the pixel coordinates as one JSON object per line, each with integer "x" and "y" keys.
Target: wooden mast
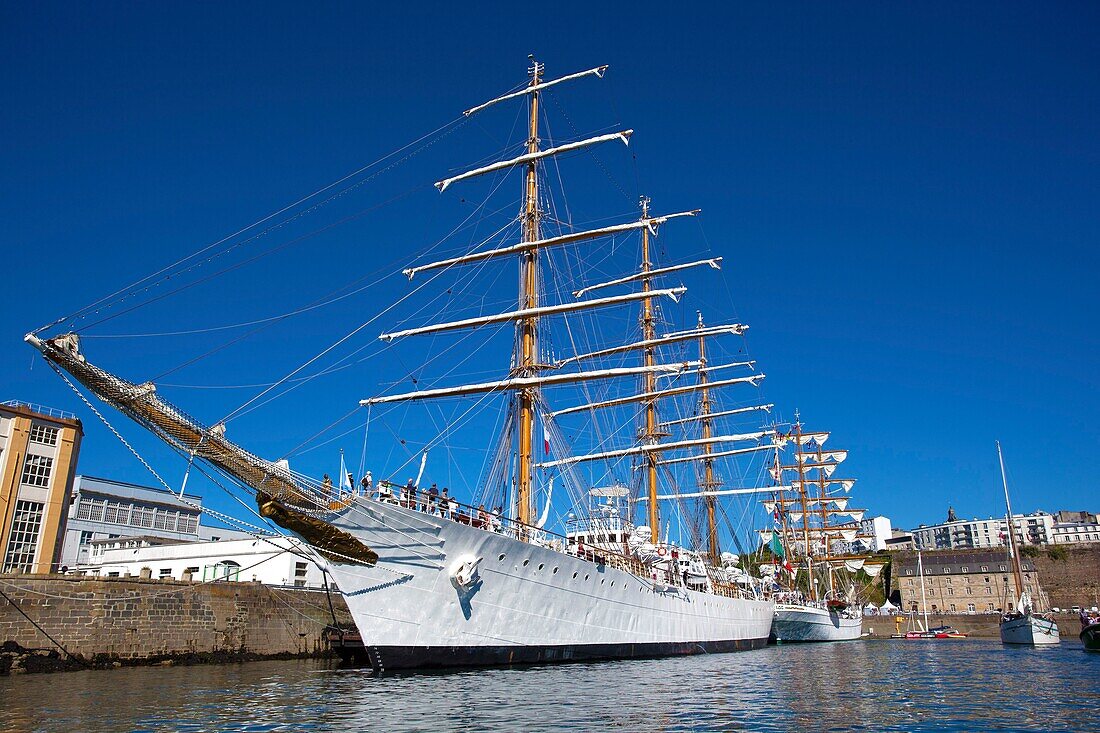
{"x": 805, "y": 509}
{"x": 709, "y": 484}
{"x": 648, "y": 334}
{"x": 527, "y": 330}
{"x": 824, "y": 515}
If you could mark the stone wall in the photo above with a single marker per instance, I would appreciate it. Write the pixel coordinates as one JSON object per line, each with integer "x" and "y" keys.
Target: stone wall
{"x": 976, "y": 626}
{"x": 1070, "y": 574}
{"x": 135, "y": 619}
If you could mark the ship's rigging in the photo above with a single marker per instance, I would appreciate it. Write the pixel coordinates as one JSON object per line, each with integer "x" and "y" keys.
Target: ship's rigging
{"x": 674, "y": 424}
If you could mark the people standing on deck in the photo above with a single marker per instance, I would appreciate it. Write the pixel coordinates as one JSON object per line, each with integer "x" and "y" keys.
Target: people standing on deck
{"x": 495, "y": 523}
{"x": 326, "y": 488}
{"x": 408, "y": 497}
{"x": 482, "y": 521}
{"x": 366, "y": 484}
{"x": 433, "y": 501}
{"x": 385, "y": 492}
{"x": 445, "y": 505}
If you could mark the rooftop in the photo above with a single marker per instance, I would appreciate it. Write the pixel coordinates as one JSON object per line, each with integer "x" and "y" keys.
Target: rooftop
{"x": 44, "y": 411}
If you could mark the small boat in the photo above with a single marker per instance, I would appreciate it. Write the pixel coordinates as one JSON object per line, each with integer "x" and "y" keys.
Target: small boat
{"x": 922, "y": 631}
{"x": 1024, "y": 626}
{"x": 1090, "y": 630}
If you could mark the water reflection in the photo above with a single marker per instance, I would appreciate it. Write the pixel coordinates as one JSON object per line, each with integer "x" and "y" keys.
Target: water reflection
{"x": 963, "y": 685}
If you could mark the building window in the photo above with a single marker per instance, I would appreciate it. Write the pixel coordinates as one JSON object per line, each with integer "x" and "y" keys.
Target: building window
{"x": 225, "y": 570}
{"x": 965, "y": 569}
{"x": 142, "y": 517}
{"x": 36, "y": 470}
{"x": 985, "y": 569}
{"x": 1003, "y": 568}
{"x": 970, "y": 607}
{"x": 166, "y": 572}
{"x": 952, "y": 608}
{"x": 86, "y": 537}
{"x": 43, "y": 434}
{"x": 990, "y": 607}
{"x": 300, "y": 574}
{"x": 23, "y": 540}
{"x": 946, "y": 571}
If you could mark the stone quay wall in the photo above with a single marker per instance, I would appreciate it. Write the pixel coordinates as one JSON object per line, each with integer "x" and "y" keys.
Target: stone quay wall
{"x": 132, "y": 619}
{"x": 976, "y": 626}
{"x": 1070, "y": 574}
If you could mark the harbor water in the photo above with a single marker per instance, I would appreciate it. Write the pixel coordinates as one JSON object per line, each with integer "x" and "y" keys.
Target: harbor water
{"x": 963, "y": 685}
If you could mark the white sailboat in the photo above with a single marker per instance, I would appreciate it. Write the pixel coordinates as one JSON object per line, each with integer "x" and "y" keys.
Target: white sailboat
{"x": 1023, "y": 625}
{"x": 434, "y": 585}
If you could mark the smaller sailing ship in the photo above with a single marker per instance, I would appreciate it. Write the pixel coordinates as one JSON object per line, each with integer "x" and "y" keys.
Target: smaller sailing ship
{"x": 807, "y": 512}
{"x": 1023, "y": 625}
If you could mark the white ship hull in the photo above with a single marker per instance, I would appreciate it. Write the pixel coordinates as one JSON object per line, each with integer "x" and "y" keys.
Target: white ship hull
{"x": 798, "y": 623}
{"x": 1029, "y": 630}
{"x": 527, "y": 604}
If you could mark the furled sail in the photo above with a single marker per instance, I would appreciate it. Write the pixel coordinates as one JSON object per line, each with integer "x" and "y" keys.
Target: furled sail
{"x": 714, "y": 263}
{"x": 624, "y": 136}
{"x": 649, "y": 447}
{"x": 523, "y": 313}
{"x": 648, "y": 396}
{"x": 597, "y": 72}
{"x": 650, "y": 343}
{"x": 521, "y": 247}
{"x": 523, "y": 383}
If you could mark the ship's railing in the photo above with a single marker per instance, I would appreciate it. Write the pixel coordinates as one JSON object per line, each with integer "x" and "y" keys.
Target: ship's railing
{"x": 492, "y": 521}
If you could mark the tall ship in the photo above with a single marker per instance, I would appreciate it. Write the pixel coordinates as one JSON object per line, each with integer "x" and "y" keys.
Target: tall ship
{"x": 635, "y": 432}
{"x": 818, "y": 548}
{"x": 1022, "y": 624}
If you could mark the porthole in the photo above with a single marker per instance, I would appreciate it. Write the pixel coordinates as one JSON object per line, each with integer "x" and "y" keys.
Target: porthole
{"x": 603, "y": 580}
{"x": 586, "y": 576}
{"x": 555, "y": 571}
{"x": 574, "y": 576}
{"x": 500, "y": 557}
{"x": 526, "y": 563}
{"x": 541, "y": 566}
{"x": 612, "y": 583}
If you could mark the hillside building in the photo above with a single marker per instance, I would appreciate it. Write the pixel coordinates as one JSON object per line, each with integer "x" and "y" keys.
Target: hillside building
{"x": 39, "y": 447}
{"x": 963, "y": 581}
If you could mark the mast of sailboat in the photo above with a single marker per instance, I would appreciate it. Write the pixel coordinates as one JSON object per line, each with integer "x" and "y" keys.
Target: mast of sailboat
{"x": 824, "y": 516}
{"x": 527, "y": 328}
{"x": 805, "y": 507}
{"x": 648, "y": 334}
{"x": 709, "y": 484}
{"x": 923, "y": 598}
{"x": 1017, "y": 572}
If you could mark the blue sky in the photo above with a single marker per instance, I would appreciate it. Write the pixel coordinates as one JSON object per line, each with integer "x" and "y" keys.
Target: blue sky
{"x": 905, "y": 199}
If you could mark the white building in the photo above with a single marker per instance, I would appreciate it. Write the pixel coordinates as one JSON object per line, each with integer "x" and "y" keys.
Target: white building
{"x": 878, "y": 530}
{"x": 104, "y": 509}
{"x": 282, "y": 561}
{"x": 961, "y": 534}
{"x": 1074, "y": 527}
